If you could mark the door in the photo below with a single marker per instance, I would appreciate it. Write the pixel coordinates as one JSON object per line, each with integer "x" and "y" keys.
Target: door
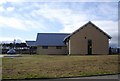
{"x": 89, "y": 47}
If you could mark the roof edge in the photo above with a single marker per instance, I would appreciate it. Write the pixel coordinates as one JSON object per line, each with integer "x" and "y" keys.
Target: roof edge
{"x": 67, "y": 38}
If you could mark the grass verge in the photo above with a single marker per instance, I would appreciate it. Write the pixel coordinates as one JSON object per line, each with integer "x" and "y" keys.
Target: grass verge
{"x": 46, "y": 66}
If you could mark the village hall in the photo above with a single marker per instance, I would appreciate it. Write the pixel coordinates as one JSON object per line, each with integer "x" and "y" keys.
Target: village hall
{"x": 87, "y": 40}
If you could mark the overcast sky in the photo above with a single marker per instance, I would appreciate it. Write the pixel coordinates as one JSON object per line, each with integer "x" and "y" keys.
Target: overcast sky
{"x": 24, "y": 19}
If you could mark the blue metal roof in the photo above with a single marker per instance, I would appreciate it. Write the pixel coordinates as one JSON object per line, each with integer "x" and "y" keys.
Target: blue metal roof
{"x": 51, "y": 39}
{"x": 31, "y": 43}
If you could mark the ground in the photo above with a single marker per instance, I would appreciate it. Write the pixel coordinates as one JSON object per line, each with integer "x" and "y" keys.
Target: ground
{"x": 49, "y": 66}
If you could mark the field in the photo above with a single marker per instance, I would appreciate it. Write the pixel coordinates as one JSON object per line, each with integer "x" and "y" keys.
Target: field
{"x": 46, "y": 66}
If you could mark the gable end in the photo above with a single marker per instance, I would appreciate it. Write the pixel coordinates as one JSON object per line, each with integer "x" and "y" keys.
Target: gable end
{"x": 68, "y": 37}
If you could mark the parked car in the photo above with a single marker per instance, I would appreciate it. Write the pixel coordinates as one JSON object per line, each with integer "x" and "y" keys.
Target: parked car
{"x": 11, "y": 51}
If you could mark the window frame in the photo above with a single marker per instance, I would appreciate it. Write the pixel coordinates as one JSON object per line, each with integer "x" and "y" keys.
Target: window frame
{"x": 58, "y": 47}
{"x": 44, "y": 47}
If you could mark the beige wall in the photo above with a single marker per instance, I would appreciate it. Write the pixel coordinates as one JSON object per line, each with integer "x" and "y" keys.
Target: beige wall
{"x": 78, "y": 43}
{"x": 51, "y": 50}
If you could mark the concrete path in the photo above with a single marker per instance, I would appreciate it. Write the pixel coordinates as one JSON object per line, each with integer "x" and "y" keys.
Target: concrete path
{"x": 1, "y": 56}
{"x": 14, "y": 55}
{"x": 92, "y": 78}
{"x": 99, "y": 77}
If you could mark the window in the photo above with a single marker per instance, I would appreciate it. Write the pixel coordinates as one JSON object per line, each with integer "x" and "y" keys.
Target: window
{"x": 58, "y": 47}
{"x": 45, "y": 47}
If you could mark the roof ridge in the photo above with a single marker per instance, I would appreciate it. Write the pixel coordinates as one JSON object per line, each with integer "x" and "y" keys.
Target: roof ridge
{"x": 55, "y": 33}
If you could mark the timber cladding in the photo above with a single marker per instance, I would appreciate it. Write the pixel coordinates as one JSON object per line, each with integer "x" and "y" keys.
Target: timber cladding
{"x": 78, "y": 42}
{"x": 52, "y": 50}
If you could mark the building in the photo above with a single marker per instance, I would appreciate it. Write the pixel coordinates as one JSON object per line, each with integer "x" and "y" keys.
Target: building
{"x": 32, "y": 47}
{"x": 87, "y": 40}
{"x": 51, "y": 43}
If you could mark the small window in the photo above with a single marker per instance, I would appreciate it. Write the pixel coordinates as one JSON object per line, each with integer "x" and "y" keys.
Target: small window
{"x": 45, "y": 47}
{"x": 58, "y": 47}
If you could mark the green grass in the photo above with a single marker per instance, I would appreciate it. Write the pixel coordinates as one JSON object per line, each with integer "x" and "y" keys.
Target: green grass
{"x": 46, "y": 66}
